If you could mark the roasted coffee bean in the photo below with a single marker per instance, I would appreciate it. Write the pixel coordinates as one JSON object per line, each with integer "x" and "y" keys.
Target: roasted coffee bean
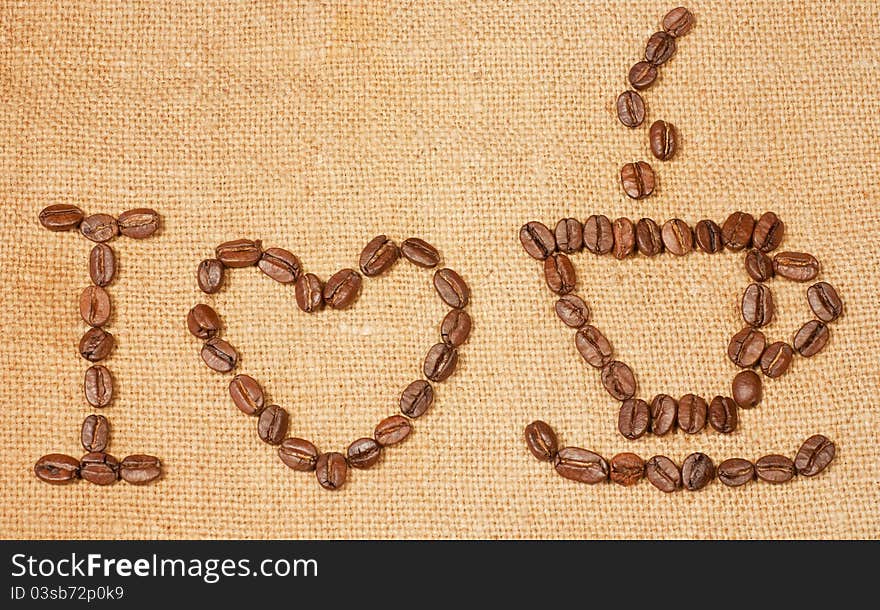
{"x": 746, "y": 347}
{"x": 797, "y": 266}
{"x": 94, "y": 306}
{"x": 664, "y": 140}
{"x": 61, "y": 217}
{"x": 642, "y": 75}
{"x": 102, "y": 265}
{"x": 392, "y": 430}
{"x": 677, "y": 237}
{"x": 624, "y": 232}
{"x": 569, "y": 235}
{"x": 537, "y": 240}
{"x": 735, "y": 472}
{"x": 416, "y": 398}
{"x": 707, "y": 236}
{"x": 697, "y": 471}
{"x": 598, "y": 234}
{"x": 637, "y": 179}
{"x": 363, "y": 453}
{"x": 239, "y": 252}
{"x": 96, "y": 344}
{"x": 692, "y": 413}
{"x": 95, "y": 433}
{"x": 757, "y": 305}
{"x": 660, "y": 47}
{"x": 737, "y": 230}
{"x": 331, "y": 470}
{"x": 747, "y": 389}
{"x": 203, "y": 322}
{"x": 420, "y": 253}
{"x": 634, "y": 418}
{"x": 309, "y": 293}
{"x": 378, "y": 256}
{"x": 811, "y": 338}
{"x": 247, "y": 394}
{"x": 627, "y": 469}
{"x": 210, "y": 275}
{"x": 98, "y": 386}
{"x": 776, "y": 359}
{"x": 630, "y": 109}
{"x": 342, "y": 289}
{"x": 139, "y": 223}
{"x": 593, "y": 346}
{"x": 440, "y": 362}
{"x": 663, "y": 473}
{"x": 722, "y": 414}
{"x": 56, "y": 468}
{"x": 759, "y": 266}
{"x": 649, "y": 240}
{"x": 559, "y": 274}
{"x": 678, "y": 22}
{"x": 298, "y": 453}
{"x": 541, "y": 441}
{"x": 768, "y": 232}
{"x": 824, "y": 301}
{"x": 219, "y": 355}
{"x": 281, "y": 265}
{"x": 99, "y": 468}
{"x": 618, "y": 379}
{"x": 572, "y": 310}
{"x": 140, "y": 469}
{"x": 452, "y": 289}
{"x": 455, "y": 327}
{"x": 775, "y": 468}
{"x": 814, "y": 455}
{"x": 581, "y": 465}
{"x": 99, "y": 227}
{"x": 272, "y": 424}
{"x": 664, "y": 414}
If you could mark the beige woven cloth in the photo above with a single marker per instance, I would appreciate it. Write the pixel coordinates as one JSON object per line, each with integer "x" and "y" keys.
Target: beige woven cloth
{"x": 315, "y": 126}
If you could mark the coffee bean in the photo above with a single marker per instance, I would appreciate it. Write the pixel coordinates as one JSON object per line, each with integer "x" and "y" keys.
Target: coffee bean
{"x": 99, "y": 227}
{"x": 678, "y": 21}
{"x": 455, "y": 327}
{"x": 416, "y": 398}
{"x": 219, "y": 355}
{"x": 757, "y": 305}
{"x": 707, "y": 235}
{"x": 298, "y": 453}
{"x": 139, "y": 223}
{"x": 378, "y": 256}
{"x": 637, "y": 179}
{"x": 239, "y": 252}
{"x": 598, "y": 234}
{"x": 664, "y": 414}
{"x": 281, "y": 265}
{"x": 811, "y": 338}
{"x": 247, "y": 394}
{"x": 440, "y": 362}
{"x": 593, "y": 346}
{"x": 559, "y": 274}
{"x": 569, "y": 235}
{"x": 537, "y": 240}
{"x": 363, "y": 453}
{"x": 98, "y": 386}
{"x": 630, "y": 109}
{"x": 581, "y": 465}
{"x": 737, "y": 230}
{"x": 722, "y": 414}
{"x": 140, "y": 469}
{"x": 663, "y": 473}
{"x": 572, "y": 310}
{"x": 541, "y": 441}
{"x": 452, "y": 289}
{"x": 664, "y": 140}
{"x": 96, "y": 344}
{"x": 392, "y": 430}
{"x": 210, "y": 275}
{"x": 692, "y": 413}
{"x": 697, "y": 471}
{"x": 797, "y": 266}
{"x": 94, "y": 306}
{"x": 814, "y": 455}
{"x": 677, "y": 237}
{"x": 627, "y": 469}
{"x": 776, "y": 359}
{"x": 759, "y": 266}
{"x": 95, "y": 433}
{"x": 420, "y": 253}
{"x": 99, "y": 468}
{"x": 331, "y": 470}
{"x": 61, "y": 217}
{"x": 775, "y": 468}
{"x": 203, "y": 322}
{"x": 634, "y": 418}
{"x": 642, "y": 75}
{"x": 660, "y": 47}
{"x": 747, "y": 389}
{"x": 745, "y": 347}
{"x": 824, "y": 301}
{"x": 102, "y": 265}
{"x": 618, "y": 380}
{"x": 342, "y": 289}
{"x": 624, "y": 233}
{"x": 649, "y": 240}
{"x": 309, "y": 293}
{"x": 272, "y": 424}
{"x": 735, "y": 472}
{"x": 56, "y": 468}
{"x": 768, "y": 232}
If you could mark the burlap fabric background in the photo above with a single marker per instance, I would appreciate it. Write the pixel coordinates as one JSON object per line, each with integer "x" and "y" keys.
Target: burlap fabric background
{"x": 317, "y": 125}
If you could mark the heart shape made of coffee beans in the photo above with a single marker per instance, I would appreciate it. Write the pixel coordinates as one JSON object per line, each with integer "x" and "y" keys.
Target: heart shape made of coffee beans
{"x": 340, "y": 291}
